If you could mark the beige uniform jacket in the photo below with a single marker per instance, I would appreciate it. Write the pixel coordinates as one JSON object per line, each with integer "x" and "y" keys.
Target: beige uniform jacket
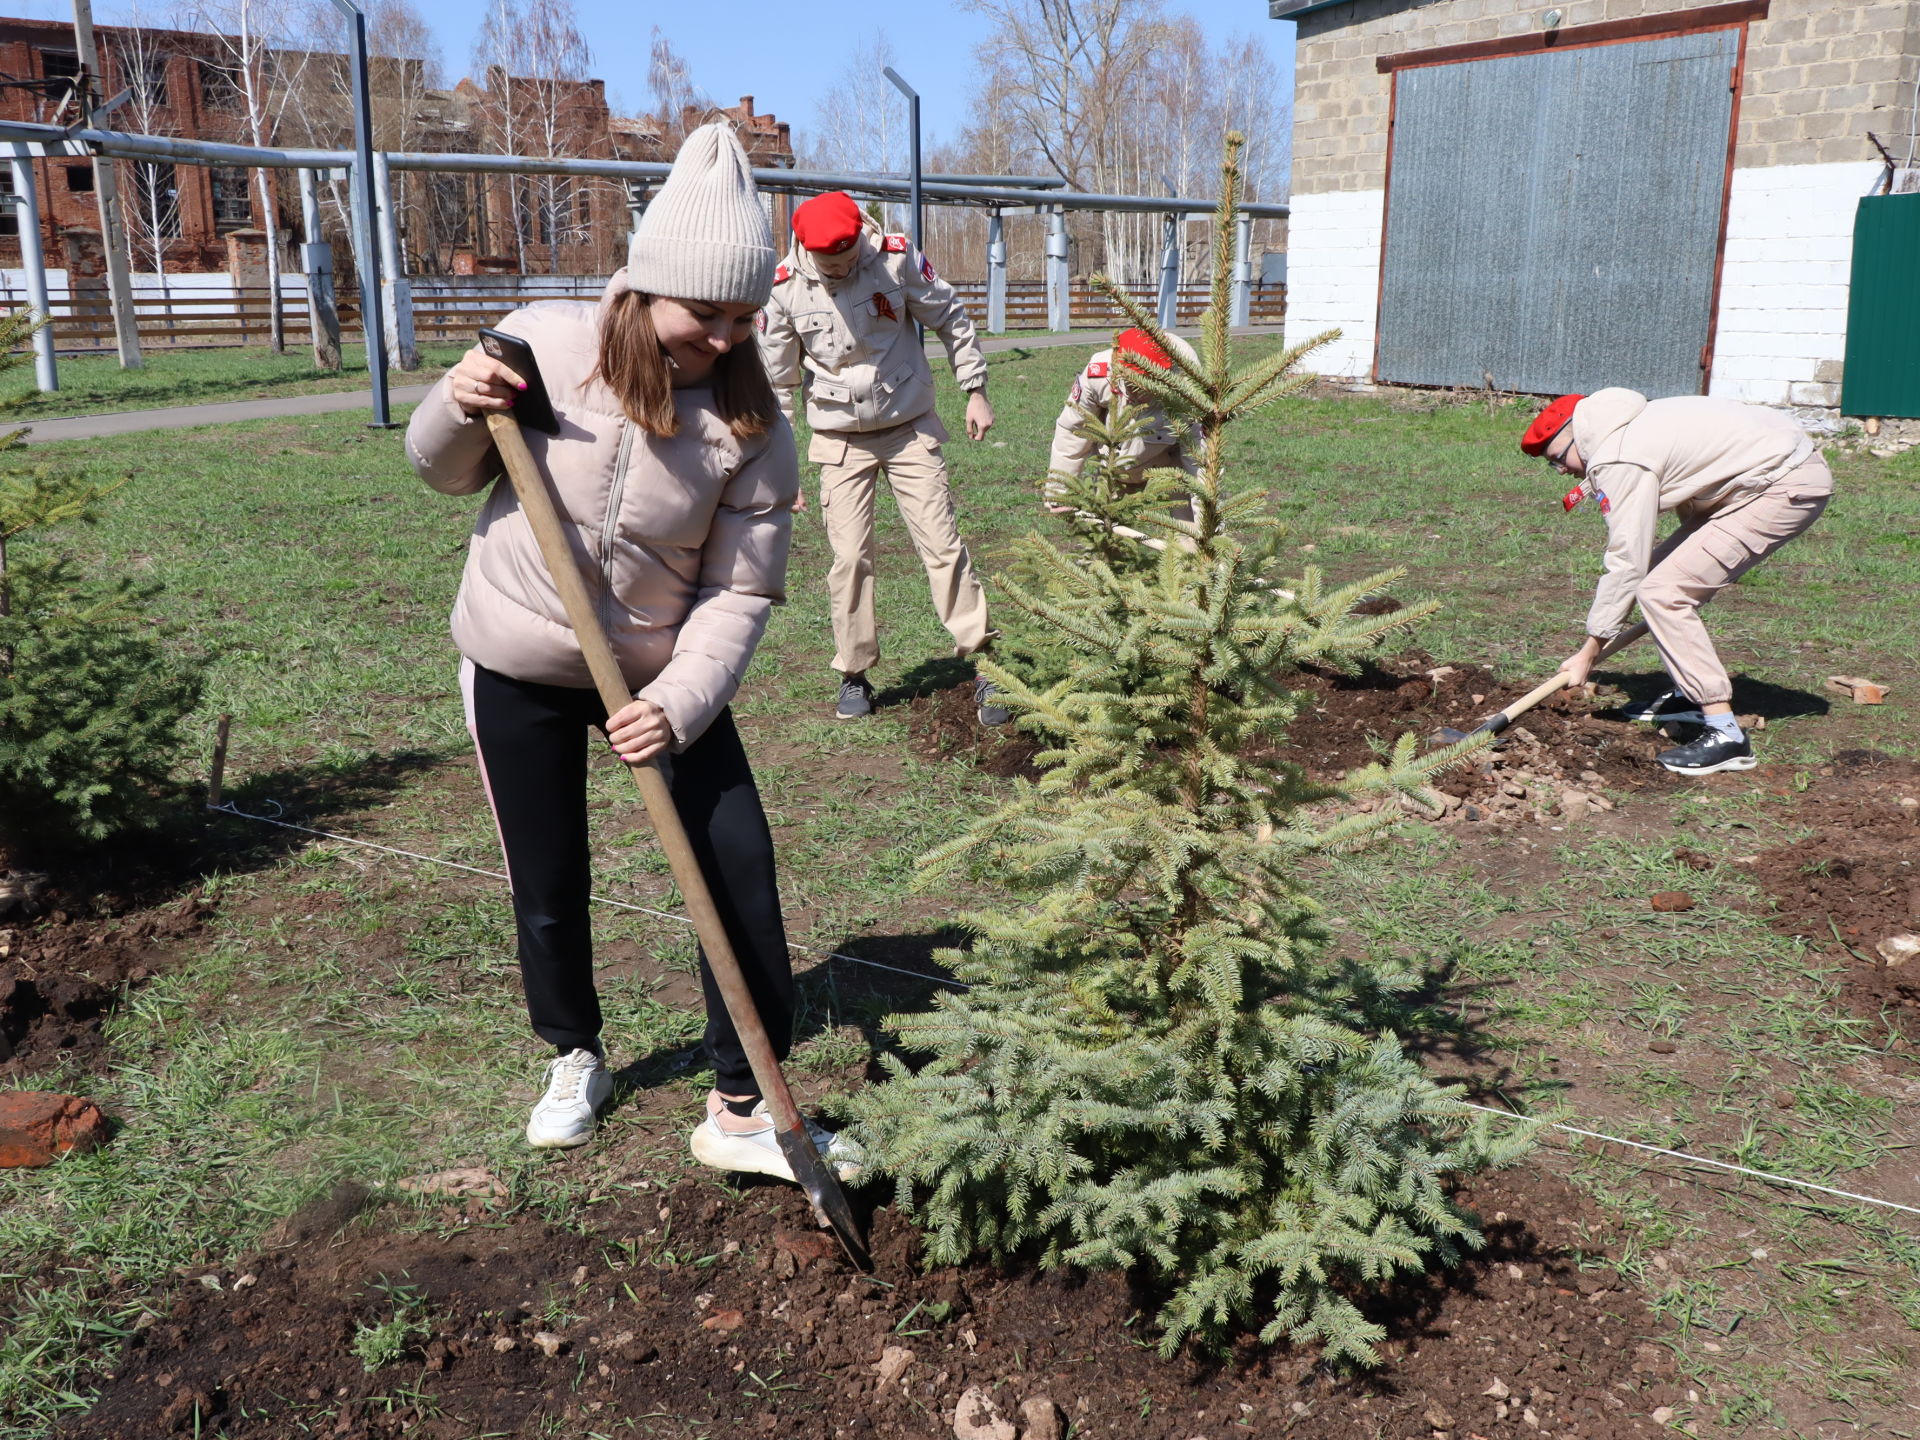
{"x": 1691, "y": 454}
{"x": 682, "y": 540}
{"x": 1092, "y": 389}
{"x": 868, "y": 369}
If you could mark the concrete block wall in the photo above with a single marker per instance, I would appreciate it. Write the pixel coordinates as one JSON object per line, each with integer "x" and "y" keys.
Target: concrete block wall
{"x": 1819, "y": 75}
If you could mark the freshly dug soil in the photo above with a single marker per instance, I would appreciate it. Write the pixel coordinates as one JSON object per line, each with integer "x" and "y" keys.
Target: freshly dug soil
{"x": 946, "y": 725}
{"x": 1855, "y": 880}
{"x": 698, "y": 1312}
{"x": 60, "y": 974}
{"x": 1558, "y": 746}
{"x": 1561, "y": 739}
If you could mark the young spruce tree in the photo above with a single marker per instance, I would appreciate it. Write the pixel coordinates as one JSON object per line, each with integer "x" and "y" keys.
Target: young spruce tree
{"x": 1158, "y": 1066}
{"x": 91, "y": 701}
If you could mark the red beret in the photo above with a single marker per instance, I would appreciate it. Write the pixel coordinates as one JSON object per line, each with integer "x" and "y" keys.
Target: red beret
{"x": 828, "y": 223}
{"x": 1138, "y": 342}
{"x": 1549, "y": 423}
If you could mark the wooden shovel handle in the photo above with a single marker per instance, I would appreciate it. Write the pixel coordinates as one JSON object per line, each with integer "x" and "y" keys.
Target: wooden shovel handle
{"x": 1533, "y": 697}
{"x": 537, "y": 505}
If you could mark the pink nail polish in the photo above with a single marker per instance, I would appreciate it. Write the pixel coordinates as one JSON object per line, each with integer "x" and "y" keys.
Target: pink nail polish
{"x": 521, "y": 384}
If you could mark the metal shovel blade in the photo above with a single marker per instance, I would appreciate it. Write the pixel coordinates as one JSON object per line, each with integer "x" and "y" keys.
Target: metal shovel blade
{"x": 824, "y": 1193}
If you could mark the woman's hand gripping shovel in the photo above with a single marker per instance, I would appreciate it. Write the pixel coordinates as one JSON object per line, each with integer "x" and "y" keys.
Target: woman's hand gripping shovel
{"x": 1500, "y": 719}
{"x": 816, "y": 1177}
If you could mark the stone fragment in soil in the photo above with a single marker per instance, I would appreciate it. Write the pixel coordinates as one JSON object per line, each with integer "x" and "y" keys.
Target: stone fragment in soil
{"x": 1897, "y": 949}
{"x": 976, "y": 1417}
{"x": 39, "y": 1126}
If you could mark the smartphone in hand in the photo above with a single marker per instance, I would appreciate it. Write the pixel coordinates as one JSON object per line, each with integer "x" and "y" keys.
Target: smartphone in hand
{"x": 531, "y": 407}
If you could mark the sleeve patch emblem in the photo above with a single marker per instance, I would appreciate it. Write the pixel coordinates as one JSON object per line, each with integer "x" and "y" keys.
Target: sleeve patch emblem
{"x": 926, "y": 270}
{"x": 760, "y": 321}
{"x": 896, "y": 244}
{"x": 1097, "y": 370}
{"x": 1074, "y": 398}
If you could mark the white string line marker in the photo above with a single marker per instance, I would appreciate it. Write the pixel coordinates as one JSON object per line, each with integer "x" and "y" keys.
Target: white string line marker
{"x": 229, "y": 809}
{"x": 1698, "y": 1159}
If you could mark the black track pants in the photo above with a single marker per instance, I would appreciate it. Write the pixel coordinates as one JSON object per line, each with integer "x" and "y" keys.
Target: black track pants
{"x": 532, "y": 741}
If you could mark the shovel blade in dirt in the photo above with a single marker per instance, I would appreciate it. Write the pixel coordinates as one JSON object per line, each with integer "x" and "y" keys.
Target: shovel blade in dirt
{"x": 810, "y": 1169}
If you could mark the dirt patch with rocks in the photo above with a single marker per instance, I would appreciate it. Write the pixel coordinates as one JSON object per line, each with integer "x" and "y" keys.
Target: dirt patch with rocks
{"x": 61, "y": 973}
{"x": 1851, "y": 888}
{"x": 1554, "y": 761}
{"x": 700, "y": 1311}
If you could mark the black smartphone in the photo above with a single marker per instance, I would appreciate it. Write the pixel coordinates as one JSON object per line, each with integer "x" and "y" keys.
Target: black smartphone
{"x": 532, "y": 408}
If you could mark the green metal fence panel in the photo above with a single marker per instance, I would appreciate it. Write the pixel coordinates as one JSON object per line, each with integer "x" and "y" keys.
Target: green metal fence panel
{"x": 1883, "y": 310}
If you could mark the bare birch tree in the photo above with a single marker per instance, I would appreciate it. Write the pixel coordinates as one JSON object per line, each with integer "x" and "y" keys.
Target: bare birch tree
{"x": 256, "y": 37}
{"x": 153, "y": 218}
{"x": 536, "y": 62}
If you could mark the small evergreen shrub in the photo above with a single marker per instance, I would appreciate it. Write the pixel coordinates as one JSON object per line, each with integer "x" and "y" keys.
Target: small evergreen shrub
{"x": 91, "y": 700}
{"x": 1159, "y": 1067}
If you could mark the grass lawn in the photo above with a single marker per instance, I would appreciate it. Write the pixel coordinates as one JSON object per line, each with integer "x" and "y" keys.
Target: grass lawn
{"x": 355, "y": 1013}
{"x": 96, "y": 385}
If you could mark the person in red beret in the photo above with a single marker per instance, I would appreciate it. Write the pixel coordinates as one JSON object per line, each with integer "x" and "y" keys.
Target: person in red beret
{"x": 1742, "y": 480}
{"x": 1159, "y": 447}
{"x": 841, "y": 320}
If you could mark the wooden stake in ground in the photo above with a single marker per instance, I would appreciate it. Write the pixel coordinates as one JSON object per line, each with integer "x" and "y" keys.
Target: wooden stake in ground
{"x": 816, "y": 1177}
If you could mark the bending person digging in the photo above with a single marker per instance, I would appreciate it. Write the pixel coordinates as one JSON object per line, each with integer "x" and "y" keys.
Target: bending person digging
{"x": 1160, "y": 445}
{"x": 1743, "y": 480}
{"x": 843, "y": 303}
{"x": 677, "y": 475}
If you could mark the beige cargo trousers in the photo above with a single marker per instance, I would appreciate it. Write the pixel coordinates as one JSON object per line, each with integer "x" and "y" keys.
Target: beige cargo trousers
{"x": 850, "y": 466}
{"x": 1700, "y": 559}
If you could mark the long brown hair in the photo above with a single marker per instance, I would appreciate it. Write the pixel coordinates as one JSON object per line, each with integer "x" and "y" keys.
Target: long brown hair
{"x": 635, "y": 368}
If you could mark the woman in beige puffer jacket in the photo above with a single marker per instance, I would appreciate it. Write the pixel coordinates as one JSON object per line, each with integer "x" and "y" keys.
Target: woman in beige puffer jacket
{"x": 676, "y": 479}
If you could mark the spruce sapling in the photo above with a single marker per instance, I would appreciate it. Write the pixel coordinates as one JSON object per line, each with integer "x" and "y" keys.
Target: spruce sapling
{"x": 1159, "y": 1065}
{"x": 90, "y": 701}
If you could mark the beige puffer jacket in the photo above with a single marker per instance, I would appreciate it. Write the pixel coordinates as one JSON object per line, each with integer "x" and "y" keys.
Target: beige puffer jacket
{"x": 1692, "y": 454}
{"x": 682, "y": 540}
{"x": 869, "y": 368}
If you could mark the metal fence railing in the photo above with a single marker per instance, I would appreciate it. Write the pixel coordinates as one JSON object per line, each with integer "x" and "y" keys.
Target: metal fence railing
{"x": 452, "y": 311}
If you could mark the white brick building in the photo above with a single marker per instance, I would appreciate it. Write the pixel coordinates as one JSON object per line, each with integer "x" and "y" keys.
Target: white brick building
{"x": 1539, "y": 192}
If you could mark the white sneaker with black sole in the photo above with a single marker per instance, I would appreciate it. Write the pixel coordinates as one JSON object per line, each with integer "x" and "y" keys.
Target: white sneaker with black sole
{"x": 1709, "y": 754}
{"x": 756, "y": 1151}
{"x": 1672, "y": 708}
{"x": 577, "y": 1086}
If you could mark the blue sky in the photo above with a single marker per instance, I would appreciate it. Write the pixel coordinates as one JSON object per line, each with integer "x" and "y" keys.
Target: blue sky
{"x": 785, "y": 54}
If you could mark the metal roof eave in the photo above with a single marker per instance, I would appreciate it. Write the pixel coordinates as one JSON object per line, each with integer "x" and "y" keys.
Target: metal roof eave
{"x": 1294, "y": 9}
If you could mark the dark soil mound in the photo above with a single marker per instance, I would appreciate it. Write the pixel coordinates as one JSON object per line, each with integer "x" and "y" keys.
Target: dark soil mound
{"x": 1855, "y": 881}
{"x": 946, "y": 725}
{"x": 701, "y": 1313}
{"x": 1559, "y": 745}
{"x": 60, "y": 975}
{"x": 1352, "y": 714}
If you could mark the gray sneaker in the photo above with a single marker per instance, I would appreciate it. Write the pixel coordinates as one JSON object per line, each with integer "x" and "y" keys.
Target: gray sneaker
{"x": 983, "y": 692}
{"x": 856, "y": 698}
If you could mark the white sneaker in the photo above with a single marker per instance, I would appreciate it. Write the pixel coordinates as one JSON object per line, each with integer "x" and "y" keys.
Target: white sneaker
{"x": 757, "y": 1151}
{"x": 577, "y": 1085}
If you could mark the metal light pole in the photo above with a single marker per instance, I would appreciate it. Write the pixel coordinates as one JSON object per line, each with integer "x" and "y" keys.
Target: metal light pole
{"x": 27, "y": 209}
{"x": 365, "y": 207}
{"x": 913, "y": 167}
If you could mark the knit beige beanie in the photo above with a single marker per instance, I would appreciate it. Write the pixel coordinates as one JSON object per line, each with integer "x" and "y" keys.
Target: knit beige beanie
{"x": 705, "y": 236}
